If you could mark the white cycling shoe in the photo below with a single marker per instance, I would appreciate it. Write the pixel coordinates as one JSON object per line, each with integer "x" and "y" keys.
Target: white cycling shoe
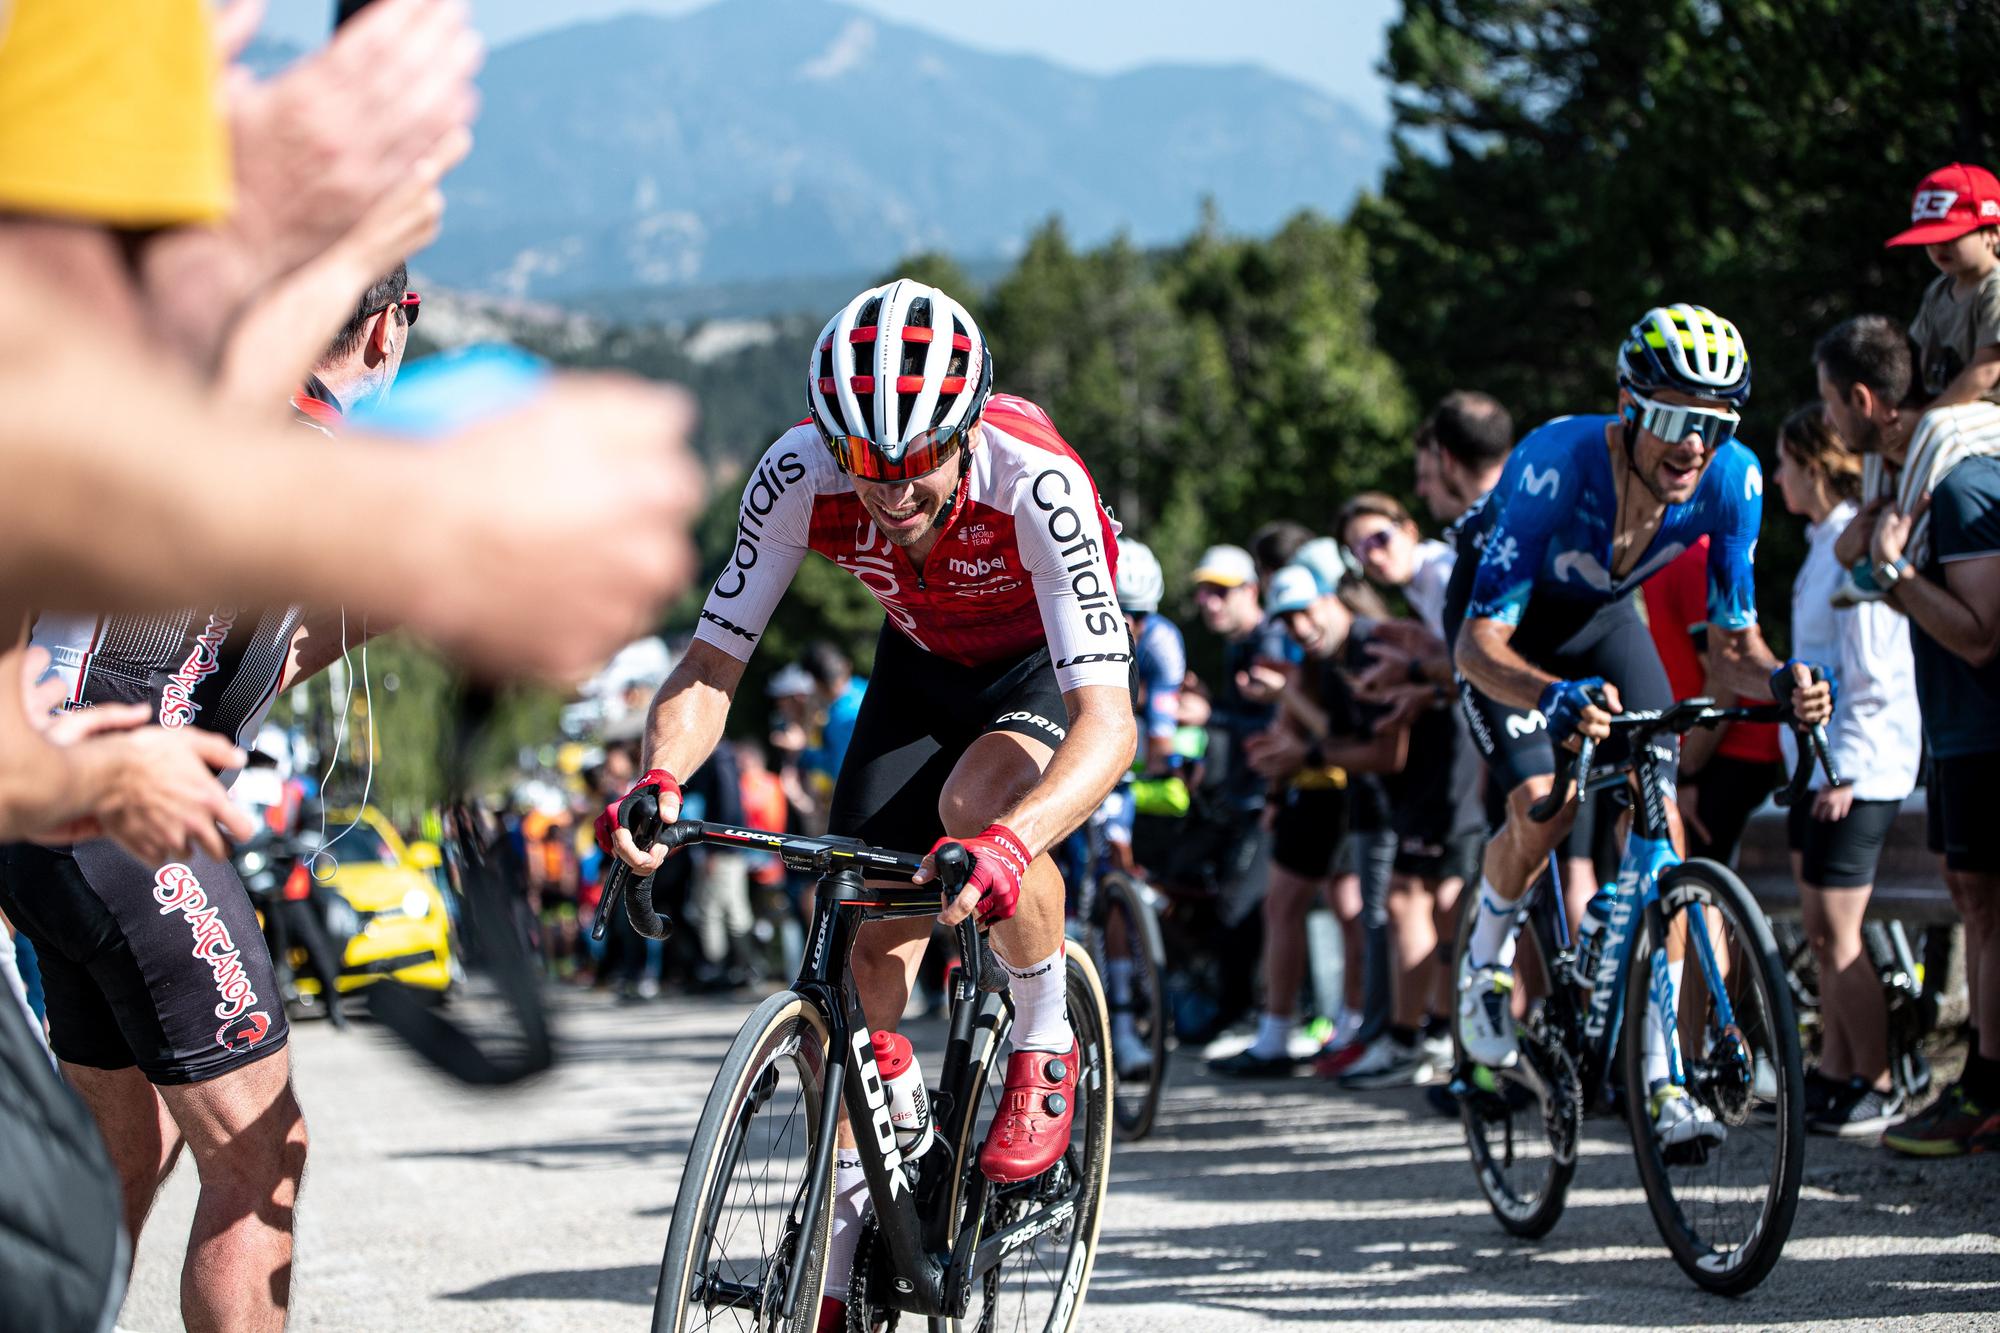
{"x": 1679, "y": 1119}
{"x": 1486, "y": 1015}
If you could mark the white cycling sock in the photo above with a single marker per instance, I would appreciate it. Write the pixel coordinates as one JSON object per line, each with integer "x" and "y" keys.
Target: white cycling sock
{"x": 1492, "y": 943}
{"x": 850, "y": 1191}
{"x": 1274, "y": 1036}
{"x": 1659, "y": 1068}
{"x": 1118, "y": 990}
{"x": 1041, "y": 1020}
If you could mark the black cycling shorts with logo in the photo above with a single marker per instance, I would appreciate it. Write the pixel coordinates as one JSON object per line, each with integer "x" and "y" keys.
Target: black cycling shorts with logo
{"x": 164, "y": 968}
{"x": 1609, "y": 641}
{"x": 920, "y": 715}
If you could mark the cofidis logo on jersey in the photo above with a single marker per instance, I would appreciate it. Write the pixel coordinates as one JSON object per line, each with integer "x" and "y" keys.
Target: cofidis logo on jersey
{"x": 177, "y": 705}
{"x": 1089, "y": 578}
{"x": 176, "y": 889}
{"x": 760, "y": 497}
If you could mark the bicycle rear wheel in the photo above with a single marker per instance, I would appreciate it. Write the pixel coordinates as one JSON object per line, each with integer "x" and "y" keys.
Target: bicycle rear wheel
{"x": 1725, "y": 1209}
{"x": 1040, "y": 1285}
{"x": 737, "y": 1234}
{"x": 1523, "y": 1144}
{"x": 1139, "y": 1088}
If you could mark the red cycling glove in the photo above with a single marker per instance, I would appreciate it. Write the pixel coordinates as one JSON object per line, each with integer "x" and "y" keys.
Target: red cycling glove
{"x": 662, "y": 782}
{"x": 999, "y": 860}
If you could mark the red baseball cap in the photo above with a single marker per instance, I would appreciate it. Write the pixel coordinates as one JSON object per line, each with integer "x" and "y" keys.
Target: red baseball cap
{"x": 1950, "y": 202}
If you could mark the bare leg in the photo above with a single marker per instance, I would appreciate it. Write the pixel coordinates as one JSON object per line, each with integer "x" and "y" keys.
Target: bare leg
{"x": 1343, "y": 898}
{"x": 1286, "y": 903}
{"x": 1978, "y": 899}
{"x": 1415, "y": 934}
{"x": 1850, "y": 990}
{"x": 248, "y": 1140}
{"x": 138, "y": 1133}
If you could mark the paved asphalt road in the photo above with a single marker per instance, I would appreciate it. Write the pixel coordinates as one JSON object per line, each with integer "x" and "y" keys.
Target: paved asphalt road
{"x": 1253, "y": 1207}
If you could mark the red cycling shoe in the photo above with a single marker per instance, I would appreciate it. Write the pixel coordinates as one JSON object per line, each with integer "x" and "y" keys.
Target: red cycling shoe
{"x": 1032, "y": 1128}
{"x": 832, "y": 1315}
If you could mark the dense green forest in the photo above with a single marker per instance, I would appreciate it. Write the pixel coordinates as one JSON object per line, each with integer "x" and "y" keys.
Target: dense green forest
{"x": 1560, "y": 166}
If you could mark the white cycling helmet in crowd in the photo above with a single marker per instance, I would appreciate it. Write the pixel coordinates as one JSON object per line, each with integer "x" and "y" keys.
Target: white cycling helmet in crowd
{"x": 897, "y": 380}
{"x": 1689, "y": 348}
{"x": 1140, "y": 582}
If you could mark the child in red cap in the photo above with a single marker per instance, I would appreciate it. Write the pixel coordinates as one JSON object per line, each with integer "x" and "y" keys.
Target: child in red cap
{"x": 1955, "y": 216}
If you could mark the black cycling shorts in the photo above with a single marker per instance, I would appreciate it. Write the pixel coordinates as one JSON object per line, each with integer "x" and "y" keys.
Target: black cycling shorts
{"x": 1963, "y": 828}
{"x": 920, "y": 715}
{"x": 1840, "y": 853}
{"x": 1307, "y": 829}
{"x": 161, "y": 968}
{"x": 1612, "y": 642}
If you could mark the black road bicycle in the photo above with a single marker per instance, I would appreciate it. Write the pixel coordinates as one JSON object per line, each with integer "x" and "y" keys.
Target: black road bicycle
{"x": 1726, "y": 1209}
{"x": 1113, "y": 905}
{"x": 747, "y": 1246}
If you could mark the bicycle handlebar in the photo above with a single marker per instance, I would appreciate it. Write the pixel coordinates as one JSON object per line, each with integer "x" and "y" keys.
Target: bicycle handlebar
{"x": 1644, "y": 724}
{"x": 639, "y": 814}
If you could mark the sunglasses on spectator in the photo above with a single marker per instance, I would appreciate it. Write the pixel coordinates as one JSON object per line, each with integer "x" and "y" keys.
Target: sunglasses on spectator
{"x": 1216, "y": 590}
{"x": 1716, "y": 426}
{"x": 409, "y": 305}
{"x": 1374, "y": 541}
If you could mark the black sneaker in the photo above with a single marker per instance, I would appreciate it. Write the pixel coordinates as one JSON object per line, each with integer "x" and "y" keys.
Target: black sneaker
{"x": 1246, "y": 1063}
{"x": 1861, "y": 1113}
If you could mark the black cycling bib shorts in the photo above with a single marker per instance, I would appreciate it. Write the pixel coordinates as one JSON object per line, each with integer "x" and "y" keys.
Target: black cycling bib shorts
{"x": 162, "y": 967}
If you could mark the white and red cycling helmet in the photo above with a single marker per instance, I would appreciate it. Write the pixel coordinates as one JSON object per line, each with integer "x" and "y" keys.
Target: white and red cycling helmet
{"x": 897, "y": 380}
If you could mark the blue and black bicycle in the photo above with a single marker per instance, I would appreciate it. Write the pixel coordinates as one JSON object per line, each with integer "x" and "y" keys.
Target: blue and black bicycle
{"x": 1724, "y": 1200}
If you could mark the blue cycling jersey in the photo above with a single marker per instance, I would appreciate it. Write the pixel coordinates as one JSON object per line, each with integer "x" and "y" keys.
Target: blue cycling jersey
{"x": 1557, "y": 508}
{"x": 1160, "y": 661}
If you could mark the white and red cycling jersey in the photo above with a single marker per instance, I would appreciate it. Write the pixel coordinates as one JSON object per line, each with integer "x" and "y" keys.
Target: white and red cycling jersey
{"x": 1027, "y": 556}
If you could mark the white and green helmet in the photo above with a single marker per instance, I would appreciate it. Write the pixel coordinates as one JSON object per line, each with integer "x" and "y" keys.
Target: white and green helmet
{"x": 1689, "y": 348}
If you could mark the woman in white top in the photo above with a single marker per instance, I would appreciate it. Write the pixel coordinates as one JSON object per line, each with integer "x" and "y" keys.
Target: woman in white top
{"x": 1875, "y": 735}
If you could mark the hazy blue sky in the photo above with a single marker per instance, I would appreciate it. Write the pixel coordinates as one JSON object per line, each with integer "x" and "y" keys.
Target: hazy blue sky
{"x": 1332, "y": 44}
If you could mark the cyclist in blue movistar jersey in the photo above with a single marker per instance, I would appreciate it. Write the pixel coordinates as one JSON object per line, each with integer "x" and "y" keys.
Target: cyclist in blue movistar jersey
{"x": 1552, "y": 646}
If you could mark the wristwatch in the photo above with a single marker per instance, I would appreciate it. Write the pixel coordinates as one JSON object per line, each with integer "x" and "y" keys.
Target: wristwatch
{"x": 1889, "y": 575}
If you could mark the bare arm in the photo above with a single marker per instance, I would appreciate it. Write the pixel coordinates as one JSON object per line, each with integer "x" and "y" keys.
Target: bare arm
{"x": 1963, "y": 614}
{"x": 323, "y": 638}
{"x": 1979, "y": 378}
{"x": 502, "y": 544}
{"x": 682, "y": 730}
{"x": 1087, "y": 765}
{"x": 1487, "y": 658}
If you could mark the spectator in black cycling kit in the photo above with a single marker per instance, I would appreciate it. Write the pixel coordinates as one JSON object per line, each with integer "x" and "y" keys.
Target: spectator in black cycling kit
{"x": 1437, "y": 800}
{"x": 1319, "y": 745}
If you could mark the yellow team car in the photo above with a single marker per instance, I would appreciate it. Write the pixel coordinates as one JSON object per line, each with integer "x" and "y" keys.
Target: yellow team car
{"x": 400, "y": 925}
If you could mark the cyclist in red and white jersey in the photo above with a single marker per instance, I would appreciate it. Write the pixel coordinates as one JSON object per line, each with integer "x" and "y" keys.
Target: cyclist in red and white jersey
{"x": 998, "y": 712}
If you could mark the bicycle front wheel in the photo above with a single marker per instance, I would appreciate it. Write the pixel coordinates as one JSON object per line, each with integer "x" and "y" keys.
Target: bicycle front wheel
{"x": 1724, "y": 1197}
{"x": 1040, "y": 1284}
{"x": 1138, "y": 998}
{"x": 738, "y": 1232}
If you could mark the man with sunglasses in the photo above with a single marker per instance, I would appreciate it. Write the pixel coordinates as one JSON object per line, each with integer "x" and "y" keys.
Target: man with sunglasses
{"x": 1587, "y": 508}
{"x": 361, "y": 362}
{"x": 998, "y": 711}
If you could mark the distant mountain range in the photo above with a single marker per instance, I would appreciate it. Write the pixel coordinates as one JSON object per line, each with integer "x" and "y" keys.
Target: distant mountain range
{"x": 760, "y": 141}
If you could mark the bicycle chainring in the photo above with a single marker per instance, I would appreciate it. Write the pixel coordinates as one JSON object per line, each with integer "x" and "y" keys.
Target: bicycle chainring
{"x": 866, "y": 1313}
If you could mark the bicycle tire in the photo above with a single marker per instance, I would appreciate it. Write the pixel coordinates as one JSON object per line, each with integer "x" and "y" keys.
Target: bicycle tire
{"x": 1095, "y": 1087}
{"x": 1768, "y": 1030}
{"x": 1529, "y": 1214}
{"x": 789, "y": 1028}
{"x": 1137, "y": 1103}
